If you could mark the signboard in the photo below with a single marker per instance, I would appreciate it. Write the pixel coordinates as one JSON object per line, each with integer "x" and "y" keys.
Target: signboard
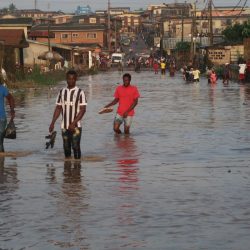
{"x": 219, "y": 56}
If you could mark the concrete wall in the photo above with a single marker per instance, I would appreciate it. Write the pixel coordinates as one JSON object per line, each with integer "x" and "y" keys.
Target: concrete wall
{"x": 236, "y": 52}
{"x": 32, "y": 52}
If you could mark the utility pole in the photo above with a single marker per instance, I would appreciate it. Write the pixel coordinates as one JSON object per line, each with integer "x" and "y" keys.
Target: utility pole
{"x": 115, "y": 35}
{"x": 109, "y": 26}
{"x": 182, "y": 27}
{"x": 211, "y": 37}
{"x": 49, "y": 47}
{"x": 193, "y": 33}
{"x": 35, "y": 4}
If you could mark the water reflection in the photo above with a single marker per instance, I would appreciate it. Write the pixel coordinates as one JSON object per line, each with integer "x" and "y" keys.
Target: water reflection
{"x": 8, "y": 177}
{"x": 8, "y": 187}
{"x": 72, "y": 206}
{"x": 127, "y": 162}
{"x": 51, "y": 174}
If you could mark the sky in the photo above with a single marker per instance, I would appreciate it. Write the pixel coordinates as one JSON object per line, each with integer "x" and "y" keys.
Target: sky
{"x": 70, "y": 5}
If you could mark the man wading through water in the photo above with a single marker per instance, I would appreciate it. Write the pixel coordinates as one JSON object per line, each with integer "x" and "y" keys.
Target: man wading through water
{"x": 71, "y": 103}
{"x": 127, "y": 96}
{"x": 4, "y": 93}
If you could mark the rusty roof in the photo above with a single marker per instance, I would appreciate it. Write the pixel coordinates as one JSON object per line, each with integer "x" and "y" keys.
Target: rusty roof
{"x": 14, "y": 38}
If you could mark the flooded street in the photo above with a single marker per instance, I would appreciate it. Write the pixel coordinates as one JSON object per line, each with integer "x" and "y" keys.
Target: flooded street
{"x": 180, "y": 181}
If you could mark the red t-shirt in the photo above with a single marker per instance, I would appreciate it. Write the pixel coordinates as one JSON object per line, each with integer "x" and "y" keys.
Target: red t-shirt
{"x": 126, "y": 96}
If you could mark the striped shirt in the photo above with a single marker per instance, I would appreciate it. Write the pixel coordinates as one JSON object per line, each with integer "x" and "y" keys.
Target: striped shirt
{"x": 70, "y": 100}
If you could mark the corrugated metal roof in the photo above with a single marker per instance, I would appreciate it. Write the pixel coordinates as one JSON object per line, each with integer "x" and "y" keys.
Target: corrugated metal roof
{"x": 15, "y": 21}
{"x": 69, "y": 27}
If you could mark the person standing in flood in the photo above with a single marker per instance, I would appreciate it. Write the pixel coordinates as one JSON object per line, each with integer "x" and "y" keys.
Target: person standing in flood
{"x": 71, "y": 104}
{"x": 196, "y": 74}
{"x": 242, "y": 71}
{"x": 126, "y": 96}
{"x": 4, "y": 93}
{"x": 156, "y": 67}
{"x": 213, "y": 77}
{"x": 163, "y": 67}
{"x": 226, "y": 74}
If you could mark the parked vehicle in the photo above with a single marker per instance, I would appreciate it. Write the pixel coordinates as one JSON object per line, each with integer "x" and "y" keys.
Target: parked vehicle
{"x": 117, "y": 58}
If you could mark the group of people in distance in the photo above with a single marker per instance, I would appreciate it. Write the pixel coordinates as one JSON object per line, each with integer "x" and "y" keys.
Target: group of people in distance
{"x": 192, "y": 74}
{"x": 71, "y": 104}
{"x": 163, "y": 65}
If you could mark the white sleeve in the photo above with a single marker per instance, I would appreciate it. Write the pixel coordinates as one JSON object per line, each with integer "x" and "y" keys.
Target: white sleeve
{"x": 82, "y": 101}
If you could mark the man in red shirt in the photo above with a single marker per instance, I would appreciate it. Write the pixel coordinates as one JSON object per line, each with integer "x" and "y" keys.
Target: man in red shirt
{"x": 127, "y": 96}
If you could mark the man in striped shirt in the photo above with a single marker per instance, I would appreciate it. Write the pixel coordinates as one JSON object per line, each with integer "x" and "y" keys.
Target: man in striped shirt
{"x": 71, "y": 103}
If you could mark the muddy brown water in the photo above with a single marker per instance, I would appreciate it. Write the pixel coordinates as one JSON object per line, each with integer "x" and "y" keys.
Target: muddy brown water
{"x": 180, "y": 181}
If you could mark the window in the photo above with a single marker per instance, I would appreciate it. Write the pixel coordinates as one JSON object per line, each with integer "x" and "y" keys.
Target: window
{"x": 91, "y": 35}
{"x": 102, "y": 20}
{"x": 75, "y": 35}
{"x": 81, "y": 21}
{"x": 92, "y": 20}
{"x": 64, "y": 36}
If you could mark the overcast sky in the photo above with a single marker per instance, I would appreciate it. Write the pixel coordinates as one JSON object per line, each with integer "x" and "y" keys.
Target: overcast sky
{"x": 70, "y": 5}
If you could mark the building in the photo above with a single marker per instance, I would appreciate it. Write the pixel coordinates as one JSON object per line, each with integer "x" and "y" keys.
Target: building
{"x": 114, "y": 11}
{"x": 131, "y": 21}
{"x": 13, "y": 42}
{"x": 184, "y": 28}
{"x": 70, "y": 33}
{"x": 80, "y": 10}
{"x": 17, "y": 23}
{"x": 90, "y": 19}
{"x": 59, "y": 19}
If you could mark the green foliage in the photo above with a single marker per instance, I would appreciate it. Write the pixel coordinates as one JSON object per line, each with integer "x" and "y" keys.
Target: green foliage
{"x": 12, "y": 8}
{"x": 237, "y": 32}
{"x": 182, "y": 46}
{"x": 219, "y": 71}
{"x": 49, "y": 78}
{"x": 39, "y": 78}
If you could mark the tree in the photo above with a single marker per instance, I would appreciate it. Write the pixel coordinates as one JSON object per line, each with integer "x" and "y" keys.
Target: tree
{"x": 182, "y": 46}
{"x": 246, "y": 29}
{"x": 12, "y": 8}
{"x": 4, "y": 11}
{"x": 237, "y": 32}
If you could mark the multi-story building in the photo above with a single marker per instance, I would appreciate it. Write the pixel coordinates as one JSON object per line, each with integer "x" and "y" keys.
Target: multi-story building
{"x": 59, "y": 19}
{"x": 114, "y": 11}
{"x": 82, "y": 10}
{"x": 70, "y": 34}
{"x": 36, "y": 14}
{"x": 196, "y": 25}
{"x": 131, "y": 21}
{"x": 90, "y": 19}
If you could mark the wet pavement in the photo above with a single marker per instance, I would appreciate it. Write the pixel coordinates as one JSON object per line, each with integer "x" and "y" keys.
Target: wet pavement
{"x": 179, "y": 181}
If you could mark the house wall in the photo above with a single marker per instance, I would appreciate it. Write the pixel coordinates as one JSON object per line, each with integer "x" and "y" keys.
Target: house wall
{"x": 76, "y": 37}
{"x": 25, "y": 29}
{"x": 32, "y": 52}
{"x": 236, "y": 52}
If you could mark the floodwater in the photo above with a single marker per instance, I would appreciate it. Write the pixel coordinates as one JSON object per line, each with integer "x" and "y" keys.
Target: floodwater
{"x": 180, "y": 181}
